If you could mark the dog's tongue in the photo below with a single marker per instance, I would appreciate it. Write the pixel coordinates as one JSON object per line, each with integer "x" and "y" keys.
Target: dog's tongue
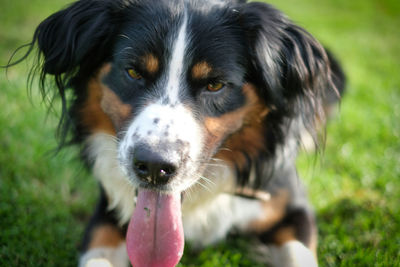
{"x": 155, "y": 232}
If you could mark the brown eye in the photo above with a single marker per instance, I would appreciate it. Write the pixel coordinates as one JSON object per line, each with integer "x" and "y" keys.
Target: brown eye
{"x": 213, "y": 87}
{"x": 134, "y": 74}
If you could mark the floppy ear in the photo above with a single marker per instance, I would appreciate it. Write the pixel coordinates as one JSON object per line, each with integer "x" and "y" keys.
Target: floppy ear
{"x": 81, "y": 31}
{"x": 289, "y": 65}
{"x": 72, "y": 44}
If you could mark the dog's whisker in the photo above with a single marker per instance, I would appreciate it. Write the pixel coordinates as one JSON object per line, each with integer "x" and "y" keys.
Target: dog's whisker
{"x": 125, "y": 36}
{"x": 188, "y": 193}
{"x": 208, "y": 181}
{"x": 225, "y": 149}
{"x": 215, "y": 165}
{"x": 203, "y": 186}
{"x": 216, "y": 159}
{"x": 208, "y": 163}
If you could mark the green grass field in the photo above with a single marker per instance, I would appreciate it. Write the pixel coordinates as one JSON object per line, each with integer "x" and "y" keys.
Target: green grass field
{"x": 45, "y": 199}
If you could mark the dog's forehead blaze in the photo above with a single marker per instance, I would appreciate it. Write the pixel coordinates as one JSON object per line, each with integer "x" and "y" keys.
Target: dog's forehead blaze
{"x": 244, "y": 127}
{"x": 102, "y": 110}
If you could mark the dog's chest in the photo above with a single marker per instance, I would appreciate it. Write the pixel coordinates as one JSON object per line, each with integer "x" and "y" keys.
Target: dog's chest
{"x": 211, "y": 209}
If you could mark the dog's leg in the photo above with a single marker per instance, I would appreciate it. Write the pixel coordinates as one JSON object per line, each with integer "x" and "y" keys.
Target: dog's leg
{"x": 293, "y": 241}
{"x": 289, "y": 233}
{"x": 104, "y": 242}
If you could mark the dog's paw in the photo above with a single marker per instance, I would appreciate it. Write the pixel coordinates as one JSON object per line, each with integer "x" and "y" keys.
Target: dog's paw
{"x": 292, "y": 254}
{"x": 98, "y": 263}
{"x": 105, "y": 257}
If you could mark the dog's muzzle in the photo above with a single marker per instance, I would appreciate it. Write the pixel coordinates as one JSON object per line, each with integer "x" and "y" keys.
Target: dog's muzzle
{"x": 162, "y": 147}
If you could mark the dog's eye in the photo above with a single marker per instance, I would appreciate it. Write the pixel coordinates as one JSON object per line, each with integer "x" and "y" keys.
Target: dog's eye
{"x": 134, "y": 74}
{"x": 213, "y": 87}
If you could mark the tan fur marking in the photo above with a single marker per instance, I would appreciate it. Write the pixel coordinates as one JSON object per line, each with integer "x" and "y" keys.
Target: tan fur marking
{"x": 114, "y": 108}
{"x": 284, "y": 234}
{"x": 252, "y": 193}
{"x": 288, "y": 233}
{"x": 105, "y": 236}
{"x": 273, "y": 211}
{"x": 92, "y": 116}
{"x": 245, "y": 127}
{"x": 103, "y": 111}
{"x": 314, "y": 241}
{"x": 201, "y": 70}
{"x": 151, "y": 63}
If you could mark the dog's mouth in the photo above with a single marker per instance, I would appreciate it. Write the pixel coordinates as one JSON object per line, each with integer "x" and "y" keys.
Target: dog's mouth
{"x": 155, "y": 232}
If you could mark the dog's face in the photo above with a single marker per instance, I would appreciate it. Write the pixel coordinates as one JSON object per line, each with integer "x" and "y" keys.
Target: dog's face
{"x": 183, "y": 82}
{"x": 184, "y": 90}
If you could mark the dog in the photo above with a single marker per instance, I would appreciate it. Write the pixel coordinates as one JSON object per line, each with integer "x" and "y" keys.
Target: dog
{"x": 190, "y": 115}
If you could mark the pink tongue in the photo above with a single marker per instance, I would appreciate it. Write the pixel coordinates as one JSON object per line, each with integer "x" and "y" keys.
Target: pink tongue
{"x": 155, "y": 232}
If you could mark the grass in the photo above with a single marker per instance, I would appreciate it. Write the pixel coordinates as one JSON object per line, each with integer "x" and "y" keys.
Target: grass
{"x": 45, "y": 199}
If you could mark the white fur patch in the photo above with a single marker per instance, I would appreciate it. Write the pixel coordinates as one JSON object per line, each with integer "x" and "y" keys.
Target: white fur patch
{"x": 163, "y": 124}
{"x": 212, "y": 221}
{"x": 106, "y": 168}
{"x": 210, "y": 210}
{"x": 292, "y": 254}
{"x": 157, "y": 125}
{"x": 105, "y": 257}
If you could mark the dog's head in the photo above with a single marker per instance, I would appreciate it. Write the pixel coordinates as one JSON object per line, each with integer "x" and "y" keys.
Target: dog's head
{"x": 182, "y": 83}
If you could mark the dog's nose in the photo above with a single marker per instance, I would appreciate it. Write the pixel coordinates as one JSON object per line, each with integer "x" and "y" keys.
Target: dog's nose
{"x": 152, "y": 166}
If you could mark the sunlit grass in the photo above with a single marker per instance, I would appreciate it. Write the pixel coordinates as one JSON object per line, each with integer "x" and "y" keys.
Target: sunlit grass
{"x": 45, "y": 199}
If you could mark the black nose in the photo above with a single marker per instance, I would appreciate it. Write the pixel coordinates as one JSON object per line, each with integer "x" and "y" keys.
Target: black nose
{"x": 153, "y": 166}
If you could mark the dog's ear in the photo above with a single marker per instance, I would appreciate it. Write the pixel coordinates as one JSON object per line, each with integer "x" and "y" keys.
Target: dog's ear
{"x": 72, "y": 43}
{"x": 290, "y": 66}
{"x": 82, "y": 31}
